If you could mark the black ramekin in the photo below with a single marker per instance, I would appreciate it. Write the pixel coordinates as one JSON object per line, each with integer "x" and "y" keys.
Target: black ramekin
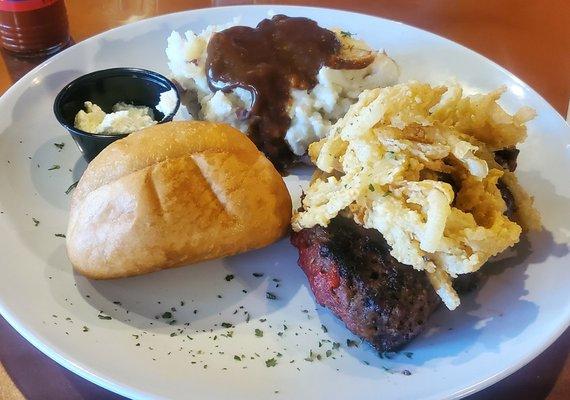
{"x": 106, "y": 88}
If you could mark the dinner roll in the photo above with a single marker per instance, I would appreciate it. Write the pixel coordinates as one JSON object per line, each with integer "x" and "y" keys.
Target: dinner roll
{"x": 174, "y": 194}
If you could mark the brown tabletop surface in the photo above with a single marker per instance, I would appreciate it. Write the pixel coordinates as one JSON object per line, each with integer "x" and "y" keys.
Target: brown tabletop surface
{"x": 530, "y": 38}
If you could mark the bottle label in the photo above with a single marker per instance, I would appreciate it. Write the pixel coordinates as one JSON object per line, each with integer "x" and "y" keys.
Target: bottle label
{"x": 24, "y": 5}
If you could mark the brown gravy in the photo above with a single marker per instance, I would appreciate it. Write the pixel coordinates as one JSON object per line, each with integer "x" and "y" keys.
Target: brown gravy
{"x": 268, "y": 61}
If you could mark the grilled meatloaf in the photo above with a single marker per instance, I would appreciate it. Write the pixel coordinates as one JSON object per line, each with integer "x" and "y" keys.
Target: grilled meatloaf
{"x": 351, "y": 272}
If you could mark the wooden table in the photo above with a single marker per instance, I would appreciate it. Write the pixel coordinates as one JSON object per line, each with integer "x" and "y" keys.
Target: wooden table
{"x": 531, "y": 38}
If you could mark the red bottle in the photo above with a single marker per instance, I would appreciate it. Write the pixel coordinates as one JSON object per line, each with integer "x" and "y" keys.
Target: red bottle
{"x": 33, "y": 27}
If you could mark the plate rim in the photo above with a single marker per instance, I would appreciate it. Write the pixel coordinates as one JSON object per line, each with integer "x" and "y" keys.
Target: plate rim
{"x": 68, "y": 361}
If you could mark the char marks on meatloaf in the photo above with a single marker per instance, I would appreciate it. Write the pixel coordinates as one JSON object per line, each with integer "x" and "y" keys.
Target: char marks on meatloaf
{"x": 352, "y": 273}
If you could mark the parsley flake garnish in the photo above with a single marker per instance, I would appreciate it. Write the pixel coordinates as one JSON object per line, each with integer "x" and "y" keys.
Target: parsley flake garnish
{"x": 346, "y": 34}
{"x": 61, "y": 235}
{"x": 55, "y": 166}
{"x": 257, "y": 274}
{"x": 227, "y": 325}
{"x": 167, "y": 315}
{"x": 311, "y": 357}
{"x": 71, "y": 187}
{"x": 102, "y": 316}
{"x": 229, "y": 277}
{"x": 85, "y": 329}
{"x": 270, "y": 296}
{"x": 371, "y": 187}
{"x": 59, "y": 145}
{"x": 237, "y": 358}
{"x": 324, "y": 328}
{"x": 270, "y": 362}
{"x": 36, "y": 222}
{"x": 258, "y": 332}
{"x": 351, "y": 343}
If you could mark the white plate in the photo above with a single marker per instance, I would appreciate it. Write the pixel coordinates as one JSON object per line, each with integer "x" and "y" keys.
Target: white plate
{"x": 519, "y": 312}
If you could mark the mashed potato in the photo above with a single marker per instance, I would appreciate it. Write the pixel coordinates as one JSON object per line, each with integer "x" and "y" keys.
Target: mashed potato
{"x": 384, "y": 165}
{"x": 312, "y": 113}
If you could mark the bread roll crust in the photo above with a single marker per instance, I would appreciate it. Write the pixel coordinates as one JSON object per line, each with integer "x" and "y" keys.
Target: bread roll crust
{"x": 174, "y": 194}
